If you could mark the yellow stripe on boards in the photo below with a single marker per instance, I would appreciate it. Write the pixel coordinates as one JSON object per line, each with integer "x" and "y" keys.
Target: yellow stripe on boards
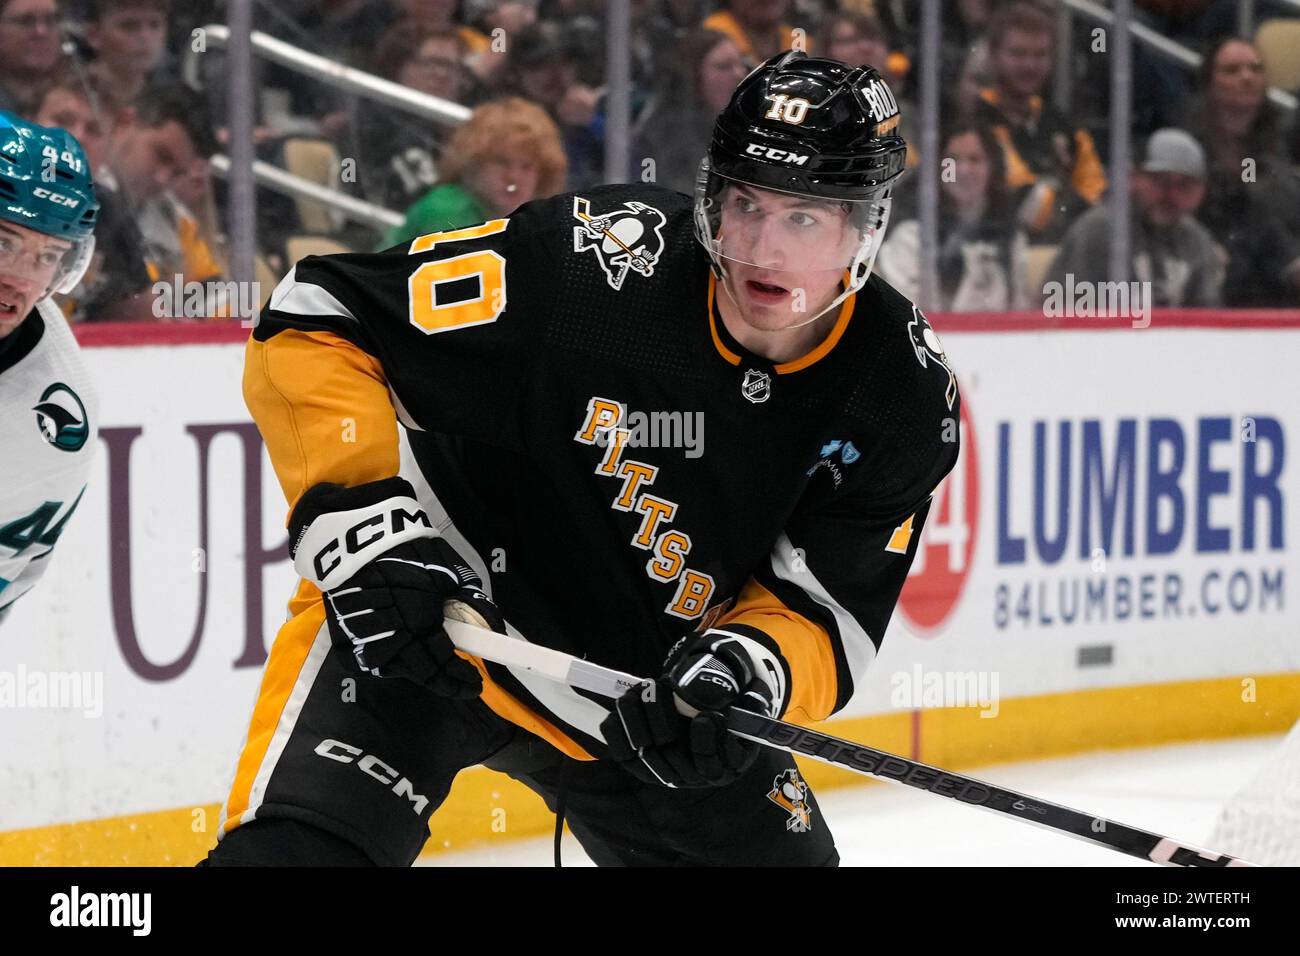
{"x": 485, "y": 806}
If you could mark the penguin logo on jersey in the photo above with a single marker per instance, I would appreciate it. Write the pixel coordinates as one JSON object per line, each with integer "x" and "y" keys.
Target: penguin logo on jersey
{"x": 629, "y": 239}
{"x": 62, "y": 419}
{"x": 928, "y": 347}
{"x": 790, "y": 793}
{"x": 757, "y": 386}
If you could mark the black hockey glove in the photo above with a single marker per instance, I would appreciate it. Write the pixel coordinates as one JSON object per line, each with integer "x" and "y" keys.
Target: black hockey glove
{"x": 651, "y": 737}
{"x": 386, "y": 576}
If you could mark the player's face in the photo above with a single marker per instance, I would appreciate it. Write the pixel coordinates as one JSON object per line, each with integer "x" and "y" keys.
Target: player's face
{"x": 786, "y": 255}
{"x": 1023, "y": 62}
{"x": 29, "y": 261}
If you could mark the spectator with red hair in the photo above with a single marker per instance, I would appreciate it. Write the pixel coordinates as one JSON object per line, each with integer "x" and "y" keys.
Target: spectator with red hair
{"x": 544, "y": 66}
{"x": 508, "y": 153}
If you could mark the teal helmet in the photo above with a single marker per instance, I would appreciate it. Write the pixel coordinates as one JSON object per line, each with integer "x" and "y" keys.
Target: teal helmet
{"x": 45, "y": 185}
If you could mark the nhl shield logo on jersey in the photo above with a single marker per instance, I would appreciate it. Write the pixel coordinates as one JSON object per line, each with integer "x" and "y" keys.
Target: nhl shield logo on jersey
{"x": 756, "y": 386}
{"x": 627, "y": 239}
{"x": 61, "y": 417}
{"x": 928, "y": 347}
{"x": 790, "y": 793}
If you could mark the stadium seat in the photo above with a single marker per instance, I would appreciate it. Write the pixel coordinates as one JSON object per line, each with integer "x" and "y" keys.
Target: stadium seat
{"x": 267, "y": 280}
{"x": 1038, "y": 259}
{"x": 298, "y": 247}
{"x": 1279, "y": 44}
{"x": 317, "y": 161}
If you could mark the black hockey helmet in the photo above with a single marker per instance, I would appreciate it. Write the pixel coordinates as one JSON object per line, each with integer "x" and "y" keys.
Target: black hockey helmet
{"x": 811, "y": 128}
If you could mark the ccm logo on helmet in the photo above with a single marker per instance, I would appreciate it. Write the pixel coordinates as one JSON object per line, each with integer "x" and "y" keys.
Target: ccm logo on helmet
{"x": 372, "y": 766}
{"x": 363, "y": 534}
{"x": 57, "y": 198}
{"x": 779, "y": 155}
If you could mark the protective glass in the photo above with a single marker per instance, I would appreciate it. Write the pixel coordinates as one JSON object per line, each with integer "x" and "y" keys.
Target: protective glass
{"x": 774, "y": 243}
{"x": 68, "y": 265}
{"x": 779, "y": 231}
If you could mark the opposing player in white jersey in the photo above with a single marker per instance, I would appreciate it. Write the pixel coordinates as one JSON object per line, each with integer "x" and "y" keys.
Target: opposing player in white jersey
{"x": 48, "y": 408}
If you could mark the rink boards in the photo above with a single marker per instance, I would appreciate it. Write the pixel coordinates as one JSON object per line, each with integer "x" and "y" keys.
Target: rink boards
{"x": 1112, "y": 563}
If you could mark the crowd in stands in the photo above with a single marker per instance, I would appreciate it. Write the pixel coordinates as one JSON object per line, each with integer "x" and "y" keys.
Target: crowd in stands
{"x": 1024, "y": 131}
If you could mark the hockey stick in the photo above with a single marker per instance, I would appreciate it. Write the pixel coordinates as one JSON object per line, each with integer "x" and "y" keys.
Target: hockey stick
{"x": 848, "y": 755}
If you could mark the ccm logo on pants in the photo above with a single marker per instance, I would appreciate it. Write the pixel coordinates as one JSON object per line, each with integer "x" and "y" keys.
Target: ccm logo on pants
{"x": 371, "y": 765}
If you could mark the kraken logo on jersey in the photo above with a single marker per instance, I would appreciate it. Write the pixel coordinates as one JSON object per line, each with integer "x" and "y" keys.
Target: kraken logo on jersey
{"x": 628, "y": 239}
{"x": 61, "y": 417}
{"x": 927, "y": 346}
{"x": 790, "y": 793}
{"x": 757, "y": 386}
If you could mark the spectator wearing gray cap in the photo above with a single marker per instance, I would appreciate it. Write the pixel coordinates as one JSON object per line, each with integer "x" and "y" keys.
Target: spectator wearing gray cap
{"x": 1171, "y": 252}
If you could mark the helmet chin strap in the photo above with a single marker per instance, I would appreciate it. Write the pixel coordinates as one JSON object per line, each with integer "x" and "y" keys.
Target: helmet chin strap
{"x": 859, "y": 269}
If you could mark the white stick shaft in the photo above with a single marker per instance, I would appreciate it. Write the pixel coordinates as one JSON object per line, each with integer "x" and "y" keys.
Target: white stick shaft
{"x": 559, "y": 666}
{"x": 543, "y": 661}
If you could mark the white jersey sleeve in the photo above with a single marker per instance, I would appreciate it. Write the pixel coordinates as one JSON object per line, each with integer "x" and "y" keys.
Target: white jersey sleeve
{"x": 49, "y": 412}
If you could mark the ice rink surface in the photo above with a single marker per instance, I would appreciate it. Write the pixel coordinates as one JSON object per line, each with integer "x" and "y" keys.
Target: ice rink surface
{"x": 1174, "y": 790}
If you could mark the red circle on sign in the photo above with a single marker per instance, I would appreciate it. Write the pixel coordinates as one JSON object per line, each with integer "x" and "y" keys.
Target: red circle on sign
{"x": 947, "y": 546}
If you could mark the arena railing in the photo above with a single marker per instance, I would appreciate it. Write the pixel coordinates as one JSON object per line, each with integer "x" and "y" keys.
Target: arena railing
{"x": 1145, "y": 35}
{"x": 242, "y": 172}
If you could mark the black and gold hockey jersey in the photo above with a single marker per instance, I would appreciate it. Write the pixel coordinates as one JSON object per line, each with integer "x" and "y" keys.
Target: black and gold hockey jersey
{"x": 559, "y": 389}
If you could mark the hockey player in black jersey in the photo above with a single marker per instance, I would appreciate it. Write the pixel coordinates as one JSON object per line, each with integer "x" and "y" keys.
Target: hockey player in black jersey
{"x": 477, "y": 420}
